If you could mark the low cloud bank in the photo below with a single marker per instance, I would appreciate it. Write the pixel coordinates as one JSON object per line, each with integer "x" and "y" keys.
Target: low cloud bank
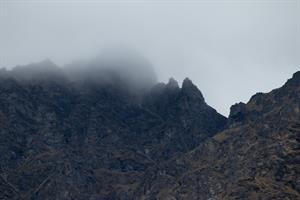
{"x": 112, "y": 66}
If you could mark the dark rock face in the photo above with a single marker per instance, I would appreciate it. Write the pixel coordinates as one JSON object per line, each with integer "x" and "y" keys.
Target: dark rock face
{"x": 95, "y": 139}
{"x": 184, "y": 109}
{"x": 237, "y": 113}
{"x": 87, "y": 139}
{"x": 256, "y": 157}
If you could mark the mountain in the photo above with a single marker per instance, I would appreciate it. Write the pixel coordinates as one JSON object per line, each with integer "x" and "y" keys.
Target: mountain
{"x": 93, "y": 137}
{"x": 257, "y": 156}
{"x": 97, "y": 136}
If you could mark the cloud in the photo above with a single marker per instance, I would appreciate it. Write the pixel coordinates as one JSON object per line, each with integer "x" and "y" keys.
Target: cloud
{"x": 230, "y": 49}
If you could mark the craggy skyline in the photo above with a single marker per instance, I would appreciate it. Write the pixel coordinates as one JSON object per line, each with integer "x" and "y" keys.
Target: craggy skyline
{"x": 229, "y": 49}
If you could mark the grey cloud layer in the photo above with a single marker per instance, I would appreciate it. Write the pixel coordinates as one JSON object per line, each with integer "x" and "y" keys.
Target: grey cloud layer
{"x": 230, "y": 49}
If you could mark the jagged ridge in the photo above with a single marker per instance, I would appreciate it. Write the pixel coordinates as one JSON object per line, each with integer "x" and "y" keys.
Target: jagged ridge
{"x": 84, "y": 139}
{"x": 91, "y": 139}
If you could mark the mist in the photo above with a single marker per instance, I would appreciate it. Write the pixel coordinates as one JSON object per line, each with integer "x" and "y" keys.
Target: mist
{"x": 120, "y": 68}
{"x": 229, "y": 49}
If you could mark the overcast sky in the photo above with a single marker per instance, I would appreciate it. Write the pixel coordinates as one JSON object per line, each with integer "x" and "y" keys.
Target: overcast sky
{"x": 229, "y": 49}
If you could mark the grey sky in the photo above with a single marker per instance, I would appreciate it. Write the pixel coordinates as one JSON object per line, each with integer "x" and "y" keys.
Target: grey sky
{"x": 230, "y": 49}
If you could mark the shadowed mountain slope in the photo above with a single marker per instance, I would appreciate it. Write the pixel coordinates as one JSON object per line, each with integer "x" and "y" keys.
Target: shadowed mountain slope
{"x": 256, "y": 157}
{"x": 97, "y": 137}
{"x": 62, "y": 138}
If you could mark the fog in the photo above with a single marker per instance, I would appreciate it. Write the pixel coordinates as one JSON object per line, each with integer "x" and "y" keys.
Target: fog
{"x": 229, "y": 49}
{"x": 123, "y": 69}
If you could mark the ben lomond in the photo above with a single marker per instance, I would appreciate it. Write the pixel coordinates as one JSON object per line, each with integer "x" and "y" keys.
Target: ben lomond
{"x": 88, "y": 132}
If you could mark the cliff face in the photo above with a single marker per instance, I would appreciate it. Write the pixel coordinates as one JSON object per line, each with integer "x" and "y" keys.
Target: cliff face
{"x": 256, "y": 157}
{"x": 92, "y": 139}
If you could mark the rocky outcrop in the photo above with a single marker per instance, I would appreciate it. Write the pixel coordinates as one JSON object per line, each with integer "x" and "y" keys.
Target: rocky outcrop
{"x": 256, "y": 157}
{"x": 94, "y": 138}
{"x": 87, "y": 139}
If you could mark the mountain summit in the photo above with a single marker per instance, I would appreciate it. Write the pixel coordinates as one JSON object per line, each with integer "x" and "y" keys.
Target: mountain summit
{"x": 90, "y": 138}
{"x": 65, "y": 136}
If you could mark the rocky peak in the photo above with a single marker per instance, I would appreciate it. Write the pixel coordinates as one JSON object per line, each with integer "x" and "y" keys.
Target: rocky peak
{"x": 187, "y": 83}
{"x": 189, "y": 89}
{"x": 282, "y": 101}
{"x": 57, "y": 139}
{"x": 295, "y": 80}
{"x": 80, "y": 133}
{"x": 237, "y": 113}
{"x": 255, "y": 157}
{"x": 172, "y": 84}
